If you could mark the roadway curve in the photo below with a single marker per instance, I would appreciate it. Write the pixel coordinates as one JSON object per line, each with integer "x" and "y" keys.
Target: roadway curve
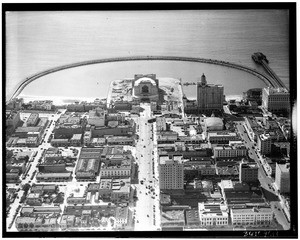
{"x": 268, "y": 80}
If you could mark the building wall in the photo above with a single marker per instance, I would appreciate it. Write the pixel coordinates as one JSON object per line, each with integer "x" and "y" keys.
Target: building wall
{"x": 100, "y": 132}
{"x": 248, "y": 174}
{"x": 211, "y": 218}
{"x": 210, "y": 97}
{"x": 123, "y": 141}
{"x": 229, "y": 152}
{"x": 60, "y": 143}
{"x": 118, "y": 172}
{"x": 222, "y": 139}
{"x": 282, "y": 180}
{"x": 264, "y": 144}
{"x": 52, "y": 168}
{"x": 251, "y": 217}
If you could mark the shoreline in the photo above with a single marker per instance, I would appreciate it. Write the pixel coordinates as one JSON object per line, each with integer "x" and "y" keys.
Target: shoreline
{"x": 62, "y": 100}
{"x": 262, "y": 76}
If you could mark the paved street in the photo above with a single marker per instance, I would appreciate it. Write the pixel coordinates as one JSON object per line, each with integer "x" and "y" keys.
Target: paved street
{"x": 267, "y": 183}
{"x": 147, "y": 208}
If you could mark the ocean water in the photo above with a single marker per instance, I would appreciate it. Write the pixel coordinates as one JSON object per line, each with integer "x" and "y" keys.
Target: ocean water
{"x": 40, "y": 40}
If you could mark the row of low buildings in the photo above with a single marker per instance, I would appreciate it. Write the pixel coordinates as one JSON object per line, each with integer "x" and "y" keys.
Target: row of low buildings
{"x": 216, "y": 215}
{"x": 17, "y": 104}
{"x": 86, "y": 106}
{"x": 108, "y": 190}
{"x": 37, "y": 218}
{"x": 29, "y": 134}
{"x": 76, "y": 140}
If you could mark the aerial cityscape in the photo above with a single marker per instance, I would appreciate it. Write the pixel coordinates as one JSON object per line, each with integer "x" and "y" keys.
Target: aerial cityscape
{"x": 150, "y": 154}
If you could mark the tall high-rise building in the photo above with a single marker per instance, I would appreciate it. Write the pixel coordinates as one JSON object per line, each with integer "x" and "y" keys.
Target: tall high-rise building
{"x": 282, "y": 177}
{"x": 275, "y": 99}
{"x": 209, "y": 96}
{"x": 171, "y": 172}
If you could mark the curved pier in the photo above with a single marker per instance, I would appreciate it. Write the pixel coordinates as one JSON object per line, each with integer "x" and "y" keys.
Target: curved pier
{"x": 268, "y": 80}
{"x": 261, "y": 59}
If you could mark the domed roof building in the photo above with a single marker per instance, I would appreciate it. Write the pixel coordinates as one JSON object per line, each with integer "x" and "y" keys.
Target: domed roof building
{"x": 145, "y": 87}
{"x": 213, "y": 124}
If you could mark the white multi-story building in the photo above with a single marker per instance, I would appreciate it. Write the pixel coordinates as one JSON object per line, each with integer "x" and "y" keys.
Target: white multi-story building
{"x": 171, "y": 172}
{"x": 251, "y": 216}
{"x": 282, "y": 177}
{"x": 116, "y": 171}
{"x": 87, "y": 137}
{"x": 233, "y": 150}
{"x": 275, "y": 99}
{"x": 264, "y": 143}
{"x": 213, "y": 214}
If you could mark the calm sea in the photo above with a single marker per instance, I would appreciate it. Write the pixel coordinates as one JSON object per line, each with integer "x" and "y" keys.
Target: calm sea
{"x": 40, "y": 40}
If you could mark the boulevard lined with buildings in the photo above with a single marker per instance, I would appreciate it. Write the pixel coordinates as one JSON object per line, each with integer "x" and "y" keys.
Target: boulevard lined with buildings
{"x": 148, "y": 158}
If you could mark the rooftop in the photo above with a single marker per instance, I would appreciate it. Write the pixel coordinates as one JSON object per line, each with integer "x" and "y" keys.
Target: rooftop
{"x": 251, "y": 210}
{"x": 67, "y": 174}
{"x": 221, "y": 134}
{"x": 192, "y": 215}
{"x": 213, "y": 121}
{"x": 284, "y": 168}
{"x": 277, "y": 91}
{"x": 167, "y": 160}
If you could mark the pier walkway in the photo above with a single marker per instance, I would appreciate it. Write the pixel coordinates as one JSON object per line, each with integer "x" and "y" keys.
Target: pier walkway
{"x": 277, "y": 80}
{"x": 267, "y": 79}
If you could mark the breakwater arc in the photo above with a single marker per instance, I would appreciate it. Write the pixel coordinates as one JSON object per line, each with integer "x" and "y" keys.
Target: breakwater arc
{"x": 267, "y": 79}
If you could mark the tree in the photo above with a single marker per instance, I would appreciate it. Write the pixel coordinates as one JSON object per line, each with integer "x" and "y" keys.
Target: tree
{"x": 26, "y": 187}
